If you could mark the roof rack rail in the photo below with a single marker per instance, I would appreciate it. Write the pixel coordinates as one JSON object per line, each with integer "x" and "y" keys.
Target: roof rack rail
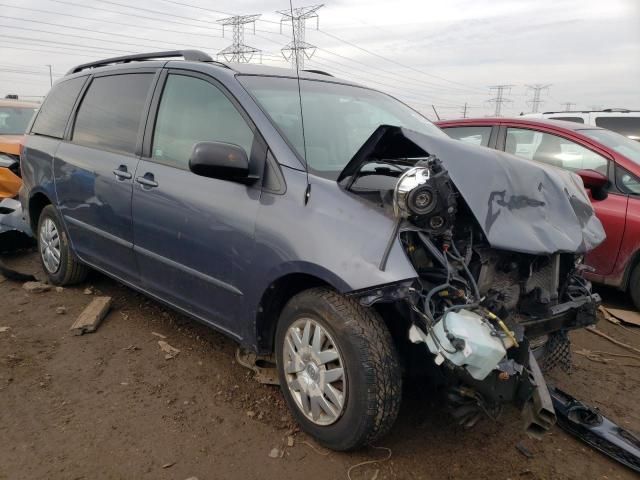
{"x": 189, "y": 55}
{"x": 319, "y": 72}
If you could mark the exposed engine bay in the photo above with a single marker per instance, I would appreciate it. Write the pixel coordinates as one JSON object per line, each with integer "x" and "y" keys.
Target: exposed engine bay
{"x": 480, "y": 310}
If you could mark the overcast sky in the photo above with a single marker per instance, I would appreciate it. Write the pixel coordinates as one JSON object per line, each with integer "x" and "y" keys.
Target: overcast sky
{"x": 445, "y": 52}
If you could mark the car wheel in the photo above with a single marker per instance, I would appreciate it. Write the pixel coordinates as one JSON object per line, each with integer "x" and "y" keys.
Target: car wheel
{"x": 634, "y": 286}
{"x": 338, "y": 369}
{"x": 56, "y": 257}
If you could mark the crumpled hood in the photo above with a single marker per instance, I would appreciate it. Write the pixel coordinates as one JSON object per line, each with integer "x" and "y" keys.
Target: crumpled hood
{"x": 521, "y": 205}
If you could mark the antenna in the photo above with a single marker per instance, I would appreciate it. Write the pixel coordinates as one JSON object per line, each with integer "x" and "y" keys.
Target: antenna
{"x": 298, "y": 49}
{"x": 295, "y": 25}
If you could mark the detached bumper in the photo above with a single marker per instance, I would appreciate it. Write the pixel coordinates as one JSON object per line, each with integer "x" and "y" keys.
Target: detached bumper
{"x": 578, "y": 313}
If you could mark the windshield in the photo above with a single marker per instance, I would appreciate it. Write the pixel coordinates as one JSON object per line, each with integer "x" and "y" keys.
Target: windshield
{"x": 338, "y": 118}
{"x": 621, "y": 144}
{"x": 14, "y": 120}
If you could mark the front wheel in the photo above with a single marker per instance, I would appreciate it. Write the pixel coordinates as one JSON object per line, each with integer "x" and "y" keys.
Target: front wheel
{"x": 338, "y": 369}
{"x": 57, "y": 259}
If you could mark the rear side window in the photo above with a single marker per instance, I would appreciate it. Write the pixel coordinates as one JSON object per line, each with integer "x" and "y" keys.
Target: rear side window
{"x": 54, "y": 112}
{"x": 111, "y": 112}
{"x": 472, "y": 135}
{"x": 553, "y": 150}
{"x": 569, "y": 119}
{"x": 627, "y": 126}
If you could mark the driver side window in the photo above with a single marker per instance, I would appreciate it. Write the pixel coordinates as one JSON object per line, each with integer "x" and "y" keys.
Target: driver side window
{"x": 191, "y": 111}
{"x": 553, "y": 150}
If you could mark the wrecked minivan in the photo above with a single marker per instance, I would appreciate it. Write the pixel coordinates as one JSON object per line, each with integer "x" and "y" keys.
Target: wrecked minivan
{"x": 318, "y": 221}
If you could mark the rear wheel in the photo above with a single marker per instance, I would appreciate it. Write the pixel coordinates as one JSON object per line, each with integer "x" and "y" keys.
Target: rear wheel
{"x": 57, "y": 259}
{"x": 634, "y": 286}
{"x": 338, "y": 369}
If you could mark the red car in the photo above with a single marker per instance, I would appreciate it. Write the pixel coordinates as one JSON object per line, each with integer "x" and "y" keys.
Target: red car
{"x": 609, "y": 165}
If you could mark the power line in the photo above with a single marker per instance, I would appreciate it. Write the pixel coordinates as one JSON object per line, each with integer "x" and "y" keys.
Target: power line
{"x": 198, "y": 7}
{"x": 404, "y": 92}
{"x": 499, "y": 99}
{"x": 150, "y": 10}
{"x": 174, "y": 22}
{"x": 83, "y": 37}
{"x": 449, "y": 90}
{"x": 535, "y": 102}
{"x": 238, "y": 51}
{"x": 298, "y": 49}
{"x": 40, "y": 50}
{"x": 94, "y": 31}
{"x": 394, "y": 76}
{"x": 100, "y": 20}
{"x": 396, "y": 62}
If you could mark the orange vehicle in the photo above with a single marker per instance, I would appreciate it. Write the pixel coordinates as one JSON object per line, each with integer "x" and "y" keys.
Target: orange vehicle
{"x": 14, "y": 118}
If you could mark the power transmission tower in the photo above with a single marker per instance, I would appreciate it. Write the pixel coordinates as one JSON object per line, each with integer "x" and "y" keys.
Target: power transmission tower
{"x": 499, "y": 99}
{"x": 238, "y": 51}
{"x": 537, "y": 90}
{"x": 464, "y": 110}
{"x": 568, "y": 106}
{"x": 595, "y": 107}
{"x": 298, "y": 48}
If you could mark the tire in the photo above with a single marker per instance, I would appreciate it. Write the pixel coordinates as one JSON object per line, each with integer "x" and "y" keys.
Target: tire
{"x": 51, "y": 235}
{"x": 371, "y": 385}
{"x": 634, "y": 286}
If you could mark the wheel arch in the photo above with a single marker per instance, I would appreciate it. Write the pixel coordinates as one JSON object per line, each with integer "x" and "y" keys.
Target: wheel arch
{"x": 632, "y": 264}
{"x": 275, "y": 297}
{"x": 37, "y": 202}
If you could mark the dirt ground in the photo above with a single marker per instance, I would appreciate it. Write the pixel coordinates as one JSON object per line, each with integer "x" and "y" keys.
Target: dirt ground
{"x": 108, "y": 405}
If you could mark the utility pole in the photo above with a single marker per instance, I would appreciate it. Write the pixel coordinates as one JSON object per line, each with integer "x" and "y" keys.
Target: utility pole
{"x": 298, "y": 48}
{"x": 464, "y": 110}
{"x": 535, "y": 102}
{"x": 238, "y": 51}
{"x": 499, "y": 99}
{"x": 568, "y": 106}
{"x": 50, "y": 76}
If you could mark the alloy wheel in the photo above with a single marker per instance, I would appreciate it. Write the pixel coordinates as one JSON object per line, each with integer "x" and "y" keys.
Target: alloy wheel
{"x": 314, "y": 371}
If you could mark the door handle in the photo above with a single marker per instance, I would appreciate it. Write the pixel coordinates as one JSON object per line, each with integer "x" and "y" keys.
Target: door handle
{"x": 147, "y": 180}
{"x": 122, "y": 173}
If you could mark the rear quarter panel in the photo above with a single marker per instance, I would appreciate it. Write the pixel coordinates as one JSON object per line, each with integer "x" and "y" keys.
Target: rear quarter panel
{"x": 36, "y": 164}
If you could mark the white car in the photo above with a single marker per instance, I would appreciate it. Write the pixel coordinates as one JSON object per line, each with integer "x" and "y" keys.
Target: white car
{"x": 620, "y": 120}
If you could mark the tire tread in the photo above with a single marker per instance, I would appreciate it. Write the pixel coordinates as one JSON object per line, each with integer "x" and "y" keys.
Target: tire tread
{"x": 379, "y": 359}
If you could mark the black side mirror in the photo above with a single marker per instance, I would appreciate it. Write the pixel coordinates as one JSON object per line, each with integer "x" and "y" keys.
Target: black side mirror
{"x": 224, "y": 161}
{"x": 594, "y": 181}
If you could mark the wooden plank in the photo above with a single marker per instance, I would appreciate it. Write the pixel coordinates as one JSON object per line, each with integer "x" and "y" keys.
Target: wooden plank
{"x": 626, "y": 316}
{"x": 91, "y": 316}
{"x": 593, "y": 329}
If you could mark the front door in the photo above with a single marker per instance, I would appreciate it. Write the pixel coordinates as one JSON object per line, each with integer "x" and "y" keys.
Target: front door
{"x": 191, "y": 232}
{"x": 94, "y": 171}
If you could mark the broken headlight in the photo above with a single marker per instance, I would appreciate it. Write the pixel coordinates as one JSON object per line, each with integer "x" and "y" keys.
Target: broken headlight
{"x": 424, "y": 194}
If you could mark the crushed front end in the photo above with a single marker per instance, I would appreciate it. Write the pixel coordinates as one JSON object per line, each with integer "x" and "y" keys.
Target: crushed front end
{"x": 490, "y": 311}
